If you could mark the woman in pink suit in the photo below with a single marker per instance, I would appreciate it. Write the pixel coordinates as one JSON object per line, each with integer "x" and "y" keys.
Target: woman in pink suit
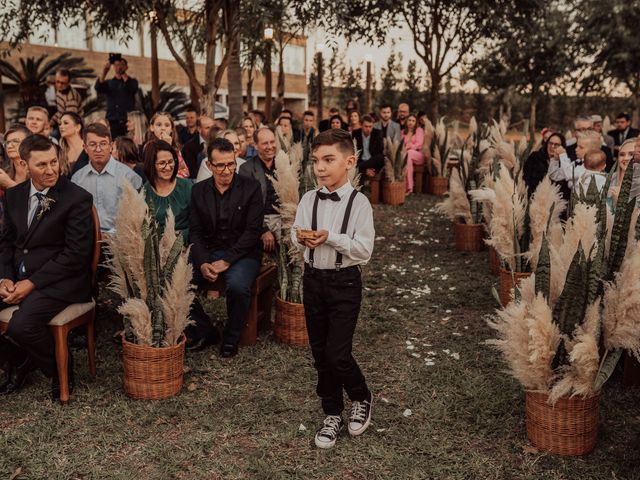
{"x": 413, "y": 138}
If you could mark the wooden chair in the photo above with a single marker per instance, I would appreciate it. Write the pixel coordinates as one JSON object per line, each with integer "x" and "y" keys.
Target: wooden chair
{"x": 261, "y": 302}
{"x": 73, "y": 316}
{"x": 418, "y": 178}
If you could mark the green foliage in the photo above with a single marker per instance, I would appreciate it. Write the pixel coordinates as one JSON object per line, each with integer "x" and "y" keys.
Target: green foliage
{"x": 607, "y": 367}
{"x": 621, "y": 224}
{"x": 543, "y": 270}
{"x": 172, "y": 100}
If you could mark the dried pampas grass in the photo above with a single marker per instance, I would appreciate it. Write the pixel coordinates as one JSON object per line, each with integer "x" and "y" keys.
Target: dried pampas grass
{"x": 621, "y": 322}
{"x": 528, "y": 339}
{"x": 505, "y": 151}
{"x": 287, "y": 185}
{"x": 456, "y": 204}
{"x": 546, "y": 197}
{"x": 177, "y": 298}
{"x": 139, "y": 316}
{"x": 169, "y": 236}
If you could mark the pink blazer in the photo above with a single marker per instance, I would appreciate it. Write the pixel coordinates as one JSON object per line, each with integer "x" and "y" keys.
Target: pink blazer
{"x": 416, "y": 141}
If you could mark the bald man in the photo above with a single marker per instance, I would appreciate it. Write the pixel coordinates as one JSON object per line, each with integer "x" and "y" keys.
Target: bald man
{"x": 403, "y": 113}
{"x": 193, "y": 151}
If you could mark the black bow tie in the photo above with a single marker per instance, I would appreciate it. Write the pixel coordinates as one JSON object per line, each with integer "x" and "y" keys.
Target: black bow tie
{"x": 330, "y": 196}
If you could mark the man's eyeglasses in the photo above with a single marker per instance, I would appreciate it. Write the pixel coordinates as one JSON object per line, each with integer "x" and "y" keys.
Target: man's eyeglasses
{"x": 98, "y": 146}
{"x": 165, "y": 164}
{"x": 220, "y": 167}
{"x": 554, "y": 145}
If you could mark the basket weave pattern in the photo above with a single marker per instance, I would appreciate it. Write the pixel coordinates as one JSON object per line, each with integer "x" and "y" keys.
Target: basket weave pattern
{"x": 469, "y": 238}
{"x": 494, "y": 261}
{"x": 374, "y": 184}
{"x": 152, "y": 373}
{"x": 570, "y": 427}
{"x": 394, "y": 193}
{"x": 438, "y": 186}
{"x": 506, "y": 284}
{"x": 290, "y": 326}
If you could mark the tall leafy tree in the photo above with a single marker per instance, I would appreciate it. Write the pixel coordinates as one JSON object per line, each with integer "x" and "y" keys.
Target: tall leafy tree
{"x": 390, "y": 79}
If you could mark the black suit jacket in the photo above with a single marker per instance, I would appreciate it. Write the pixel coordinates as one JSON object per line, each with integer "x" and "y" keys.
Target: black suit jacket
{"x": 193, "y": 152}
{"x": 57, "y": 249}
{"x": 376, "y": 149}
{"x": 245, "y": 223}
{"x": 617, "y": 135}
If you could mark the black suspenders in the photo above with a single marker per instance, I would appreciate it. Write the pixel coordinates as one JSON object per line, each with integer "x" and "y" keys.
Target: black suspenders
{"x": 343, "y": 230}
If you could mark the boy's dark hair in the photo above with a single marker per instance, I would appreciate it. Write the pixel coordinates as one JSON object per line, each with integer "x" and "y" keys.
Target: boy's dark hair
{"x": 594, "y": 159}
{"x": 192, "y": 108}
{"x": 127, "y": 150}
{"x": 334, "y": 110}
{"x": 284, "y": 118}
{"x": 221, "y": 145}
{"x": 334, "y": 136}
{"x": 367, "y": 118}
{"x": 64, "y": 72}
{"x": 385, "y": 105}
{"x": 97, "y": 129}
{"x": 151, "y": 150}
{"x": 624, "y": 115}
{"x": 308, "y": 113}
{"x": 34, "y": 143}
{"x": 287, "y": 111}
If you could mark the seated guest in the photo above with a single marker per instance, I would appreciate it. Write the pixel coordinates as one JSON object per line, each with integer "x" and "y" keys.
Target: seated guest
{"x": 194, "y": 151}
{"x": 258, "y": 117}
{"x": 126, "y": 151}
{"x": 403, "y": 114}
{"x": 354, "y": 121}
{"x": 164, "y": 190}
{"x": 242, "y": 140}
{"x": 249, "y": 125}
{"x": 37, "y": 122}
{"x": 564, "y": 170}
{"x": 582, "y": 124}
{"x": 72, "y": 154}
{"x": 370, "y": 144}
{"x": 284, "y": 133}
{"x": 413, "y": 137}
{"x": 337, "y": 123}
{"x": 537, "y": 164}
{"x": 597, "y": 126}
{"x": 17, "y": 171}
{"x": 625, "y": 157}
{"x": 326, "y": 123}
{"x": 595, "y": 162}
{"x": 389, "y": 128}
{"x": 308, "y": 130}
{"x": 163, "y": 127}
{"x": 205, "y": 172}
{"x": 190, "y": 129}
{"x": 104, "y": 176}
{"x": 622, "y": 132}
{"x": 225, "y": 228}
{"x": 259, "y": 168}
{"x": 137, "y": 126}
{"x": 45, "y": 262}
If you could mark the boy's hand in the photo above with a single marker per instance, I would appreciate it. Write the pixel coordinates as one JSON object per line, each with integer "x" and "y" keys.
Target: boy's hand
{"x": 321, "y": 237}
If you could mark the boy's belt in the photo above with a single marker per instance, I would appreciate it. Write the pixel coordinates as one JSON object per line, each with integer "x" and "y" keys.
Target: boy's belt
{"x": 330, "y": 271}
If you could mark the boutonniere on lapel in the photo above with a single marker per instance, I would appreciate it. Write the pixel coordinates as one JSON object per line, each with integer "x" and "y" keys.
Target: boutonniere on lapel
{"x": 45, "y": 205}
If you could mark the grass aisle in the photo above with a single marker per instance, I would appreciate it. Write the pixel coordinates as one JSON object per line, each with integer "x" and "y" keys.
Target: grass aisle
{"x": 443, "y": 408}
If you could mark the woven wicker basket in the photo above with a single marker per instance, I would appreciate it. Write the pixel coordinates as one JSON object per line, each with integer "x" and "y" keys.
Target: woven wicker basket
{"x": 374, "y": 184}
{"x": 570, "y": 427}
{"x": 290, "y": 326}
{"x": 469, "y": 238}
{"x": 494, "y": 261}
{"x": 438, "y": 186}
{"x": 394, "y": 193}
{"x": 506, "y": 284}
{"x": 152, "y": 373}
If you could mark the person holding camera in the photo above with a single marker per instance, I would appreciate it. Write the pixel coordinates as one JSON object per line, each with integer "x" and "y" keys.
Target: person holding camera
{"x": 120, "y": 93}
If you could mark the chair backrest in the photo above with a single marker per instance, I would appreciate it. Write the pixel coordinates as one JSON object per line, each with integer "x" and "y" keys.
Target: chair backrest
{"x": 97, "y": 237}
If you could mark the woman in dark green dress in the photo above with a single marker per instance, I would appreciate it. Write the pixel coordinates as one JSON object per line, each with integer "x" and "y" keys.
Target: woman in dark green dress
{"x": 164, "y": 190}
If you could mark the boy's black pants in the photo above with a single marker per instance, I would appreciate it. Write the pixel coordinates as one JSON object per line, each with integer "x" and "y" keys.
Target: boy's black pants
{"x": 331, "y": 307}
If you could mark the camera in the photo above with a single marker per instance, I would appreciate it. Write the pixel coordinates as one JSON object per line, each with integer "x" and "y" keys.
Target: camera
{"x": 114, "y": 57}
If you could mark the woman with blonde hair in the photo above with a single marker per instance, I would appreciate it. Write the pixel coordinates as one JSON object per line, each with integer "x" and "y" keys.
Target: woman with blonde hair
{"x": 249, "y": 125}
{"x": 163, "y": 127}
{"x": 137, "y": 126}
{"x": 625, "y": 157}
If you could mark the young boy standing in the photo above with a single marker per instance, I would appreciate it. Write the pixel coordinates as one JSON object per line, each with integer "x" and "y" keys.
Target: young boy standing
{"x": 334, "y": 227}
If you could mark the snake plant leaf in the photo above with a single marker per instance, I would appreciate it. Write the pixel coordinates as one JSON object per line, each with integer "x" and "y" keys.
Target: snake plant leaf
{"x": 592, "y": 195}
{"x": 569, "y": 308}
{"x": 607, "y": 366}
{"x": 543, "y": 270}
{"x": 172, "y": 260}
{"x": 595, "y": 285}
{"x": 621, "y": 223}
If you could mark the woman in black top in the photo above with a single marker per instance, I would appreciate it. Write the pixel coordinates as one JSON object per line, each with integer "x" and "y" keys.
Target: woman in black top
{"x": 536, "y": 166}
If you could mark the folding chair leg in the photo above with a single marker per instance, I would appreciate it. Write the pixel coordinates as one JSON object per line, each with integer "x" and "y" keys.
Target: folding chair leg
{"x": 91, "y": 344}
{"x": 62, "y": 361}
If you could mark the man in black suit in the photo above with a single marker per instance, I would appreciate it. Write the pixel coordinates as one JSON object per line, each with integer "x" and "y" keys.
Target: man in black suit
{"x": 193, "y": 151}
{"x": 260, "y": 168}
{"x": 370, "y": 144}
{"x": 225, "y": 227}
{"x": 45, "y": 261}
{"x": 622, "y": 132}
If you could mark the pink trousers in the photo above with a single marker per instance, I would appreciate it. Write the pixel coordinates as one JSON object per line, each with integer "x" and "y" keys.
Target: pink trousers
{"x": 414, "y": 157}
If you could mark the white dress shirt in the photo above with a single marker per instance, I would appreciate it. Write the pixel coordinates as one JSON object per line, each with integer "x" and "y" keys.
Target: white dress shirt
{"x": 356, "y": 246}
{"x": 33, "y": 202}
{"x": 565, "y": 169}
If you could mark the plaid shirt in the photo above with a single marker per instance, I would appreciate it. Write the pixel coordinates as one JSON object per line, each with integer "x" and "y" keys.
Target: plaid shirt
{"x": 69, "y": 101}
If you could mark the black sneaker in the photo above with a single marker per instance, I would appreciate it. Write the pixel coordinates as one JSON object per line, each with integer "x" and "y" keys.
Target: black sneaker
{"x": 360, "y": 416}
{"x": 327, "y": 435}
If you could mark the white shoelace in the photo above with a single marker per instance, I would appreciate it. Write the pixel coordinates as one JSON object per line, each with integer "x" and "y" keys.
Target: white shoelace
{"x": 331, "y": 426}
{"x": 358, "y": 412}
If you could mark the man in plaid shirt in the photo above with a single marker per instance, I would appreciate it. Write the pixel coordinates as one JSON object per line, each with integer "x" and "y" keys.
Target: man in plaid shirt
{"x": 67, "y": 98}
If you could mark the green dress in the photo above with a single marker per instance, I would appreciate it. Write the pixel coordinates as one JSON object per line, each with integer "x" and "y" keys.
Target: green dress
{"x": 178, "y": 201}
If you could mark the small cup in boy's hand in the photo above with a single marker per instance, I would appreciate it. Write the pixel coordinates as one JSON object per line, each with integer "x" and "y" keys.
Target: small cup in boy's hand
{"x": 303, "y": 234}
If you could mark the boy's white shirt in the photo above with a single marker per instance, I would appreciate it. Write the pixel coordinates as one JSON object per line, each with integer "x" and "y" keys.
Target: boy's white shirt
{"x": 356, "y": 245}
{"x": 574, "y": 174}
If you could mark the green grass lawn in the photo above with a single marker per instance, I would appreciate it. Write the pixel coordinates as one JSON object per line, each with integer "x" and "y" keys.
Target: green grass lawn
{"x": 443, "y": 408}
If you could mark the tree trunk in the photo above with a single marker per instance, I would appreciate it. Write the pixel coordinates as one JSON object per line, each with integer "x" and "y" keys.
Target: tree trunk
{"x": 435, "y": 97}
{"x": 234, "y": 70}
{"x": 155, "y": 73}
{"x": 250, "y": 89}
{"x": 2, "y": 117}
{"x": 636, "y": 107}
{"x": 532, "y": 115}
{"x": 267, "y": 83}
{"x": 280, "y": 87}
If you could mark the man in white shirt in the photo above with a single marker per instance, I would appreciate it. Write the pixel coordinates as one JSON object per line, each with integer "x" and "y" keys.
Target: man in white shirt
{"x": 104, "y": 176}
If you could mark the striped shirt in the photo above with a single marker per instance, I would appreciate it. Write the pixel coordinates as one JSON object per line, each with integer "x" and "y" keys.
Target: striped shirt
{"x": 69, "y": 101}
